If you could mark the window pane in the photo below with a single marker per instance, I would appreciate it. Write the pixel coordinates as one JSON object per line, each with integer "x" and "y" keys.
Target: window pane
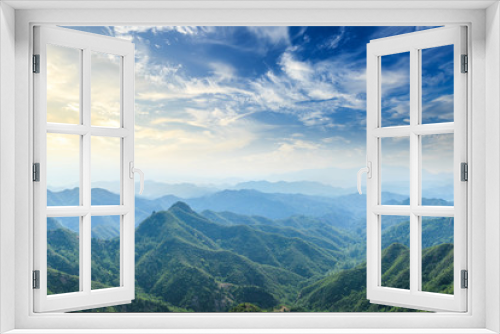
{"x": 437, "y": 84}
{"x": 395, "y": 89}
{"x": 63, "y": 169}
{"x": 437, "y": 169}
{"x": 105, "y": 253}
{"x": 105, "y": 90}
{"x": 63, "y": 255}
{"x": 437, "y": 254}
{"x": 395, "y": 251}
{"x": 395, "y": 170}
{"x": 106, "y": 170}
{"x": 63, "y": 84}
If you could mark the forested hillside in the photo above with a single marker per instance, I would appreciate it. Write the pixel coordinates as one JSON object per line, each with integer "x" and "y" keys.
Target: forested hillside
{"x": 223, "y": 261}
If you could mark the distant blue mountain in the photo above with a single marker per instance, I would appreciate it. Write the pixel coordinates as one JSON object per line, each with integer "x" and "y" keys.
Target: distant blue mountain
{"x": 340, "y": 210}
{"x": 347, "y": 211}
{"x": 298, "y": 187}
{"x": 153, "y": 189}
{"x": 104, "y": 227}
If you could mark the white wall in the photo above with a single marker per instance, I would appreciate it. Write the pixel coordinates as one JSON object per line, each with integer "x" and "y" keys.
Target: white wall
{"x": 7, "y": 159}
{"x": 492, "y": 167}
{"x": 492, "y": 184}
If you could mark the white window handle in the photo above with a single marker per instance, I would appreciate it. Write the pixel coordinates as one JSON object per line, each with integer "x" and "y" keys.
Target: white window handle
{"x": 368, "y": 171}
{"x": 133, "y": 170}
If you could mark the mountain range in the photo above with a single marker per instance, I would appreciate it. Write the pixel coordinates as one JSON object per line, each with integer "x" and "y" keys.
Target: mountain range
{"x": 346, "y": 211}
{"x": 219, "y": 261}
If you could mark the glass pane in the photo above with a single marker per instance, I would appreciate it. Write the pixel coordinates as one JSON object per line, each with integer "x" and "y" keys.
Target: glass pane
{"x": 63, "y": 169}
{"x": 437, "y": 84}
{"x": 437, "y": 254}
{"x": 437, "y": 169}
{"x": 395, "y": 170}
{"x": 105, "y": 170}
{"x": 63, "y": 84}
{"x": 63, "y": 255}
{"x": 395, "y": 251}
{"x": 105, "y": 90}
{"x": 395, "y": 89}
{"x": 105, "y": 252}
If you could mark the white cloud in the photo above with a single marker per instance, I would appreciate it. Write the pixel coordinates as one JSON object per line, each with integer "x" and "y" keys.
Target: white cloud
{"x": 122, "y": 30}
{"x": 274, "y": 35}
{"x": 437, "y": 153}
{"x": 188, "y": 119}
{"x": 336, "y": 139}
{"x": 296, "y": 70}
{"x": 334, "y": 41}
{"x": 223, "y": 71}
{"x": 315, "y": 117}
{"x": 185, "y": 30}
{"x": 438, "y": 109}
{"x": 394, "y": 79}
{"x": 214, "y": 117}
{"x": 299, "y": 82}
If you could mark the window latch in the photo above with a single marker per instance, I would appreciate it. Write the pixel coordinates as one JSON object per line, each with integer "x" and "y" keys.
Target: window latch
{"x": 133, "y": 170}
{"x": 368, "y": 171}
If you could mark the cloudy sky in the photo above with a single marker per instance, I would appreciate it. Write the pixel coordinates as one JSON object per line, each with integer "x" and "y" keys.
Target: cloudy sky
{"x": 226, "y": 104}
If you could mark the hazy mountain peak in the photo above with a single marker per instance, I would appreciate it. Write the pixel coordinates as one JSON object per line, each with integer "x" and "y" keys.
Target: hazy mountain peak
{"x": 181, "y": 206}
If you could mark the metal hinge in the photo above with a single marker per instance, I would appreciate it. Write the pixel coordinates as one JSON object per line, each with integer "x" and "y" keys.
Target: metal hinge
{"x": 464, "y": 171}
{"x": 36, "y": 279}
{"x": 465, "y": 279}
{"x": 36, "y": 172}
{"x": 465, "y": 64}
{"x": 36, "y": 63}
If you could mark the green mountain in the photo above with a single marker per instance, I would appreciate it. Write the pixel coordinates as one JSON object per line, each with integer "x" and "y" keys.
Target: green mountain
{"x": 346, "y": 291}
{"x": 178, "y": 250}
{"x": 222, "y": 261}
{"x": 435, "y": 231}
{"x": 63, "y": 251}
{"x": 318, "y": 231}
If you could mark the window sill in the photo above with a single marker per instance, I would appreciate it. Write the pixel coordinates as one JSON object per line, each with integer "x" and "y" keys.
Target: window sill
{"x": 252, "y": 331}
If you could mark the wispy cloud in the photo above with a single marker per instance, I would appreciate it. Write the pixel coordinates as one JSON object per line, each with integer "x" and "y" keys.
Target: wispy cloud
{"x": 334, "y": 41}
{"x": 274, "y": 35}
{"x": 252, "y": 101}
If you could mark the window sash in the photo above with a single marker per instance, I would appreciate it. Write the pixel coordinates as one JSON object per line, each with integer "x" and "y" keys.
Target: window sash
{"x": 86, "y": 297}
{"x": 414, "y": 298}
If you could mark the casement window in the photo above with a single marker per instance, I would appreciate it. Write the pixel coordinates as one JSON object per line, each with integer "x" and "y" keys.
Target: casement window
{"x": 92, "y": 136}
{"x": 416, "y": 128}
{"x": 472, "y": 130}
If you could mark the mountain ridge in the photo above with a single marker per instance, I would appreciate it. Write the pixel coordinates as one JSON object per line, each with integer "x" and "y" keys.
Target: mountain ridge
{"x": 186, "y": 262}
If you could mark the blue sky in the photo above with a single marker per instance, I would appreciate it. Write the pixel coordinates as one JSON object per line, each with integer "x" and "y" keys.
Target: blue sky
{"x": 227, "y": 104}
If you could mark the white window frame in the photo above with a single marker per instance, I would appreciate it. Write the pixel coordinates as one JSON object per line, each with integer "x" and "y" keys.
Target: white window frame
{"x": 483, "y": 100}
{"x": 85, "y": 298}
{"x": 413, "y": 43}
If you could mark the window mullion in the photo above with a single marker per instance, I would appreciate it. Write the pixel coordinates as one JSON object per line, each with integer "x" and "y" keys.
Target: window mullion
{"x": 414, "y": 171}
{"x": 85, "y": 240}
